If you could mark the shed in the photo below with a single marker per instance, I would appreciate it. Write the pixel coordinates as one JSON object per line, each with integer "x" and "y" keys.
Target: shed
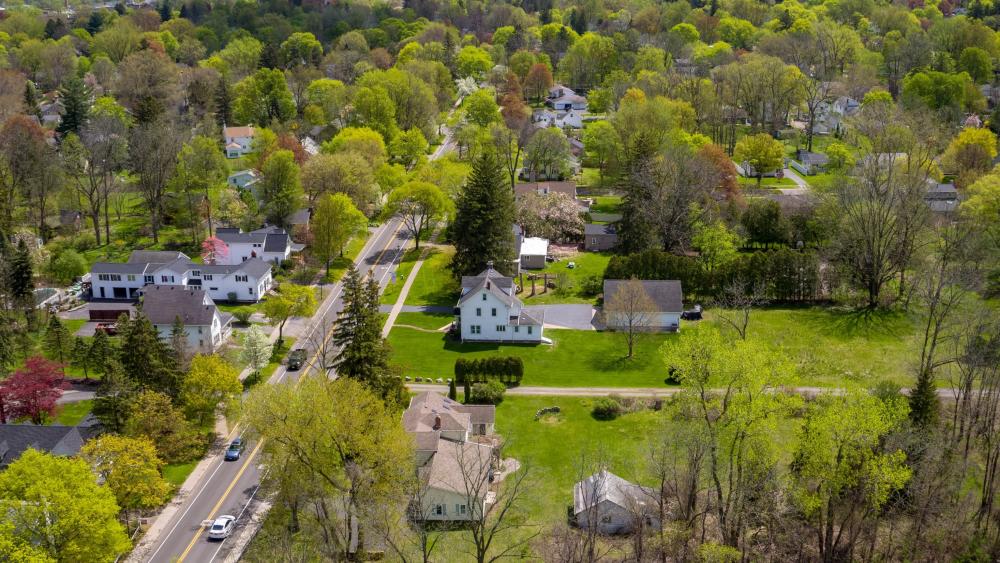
{"x": 598, "y": 237}
{"x": 533, "y": 253}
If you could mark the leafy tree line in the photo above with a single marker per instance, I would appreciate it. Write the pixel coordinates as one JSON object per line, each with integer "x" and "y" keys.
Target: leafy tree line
{"x": 507, "y": 369}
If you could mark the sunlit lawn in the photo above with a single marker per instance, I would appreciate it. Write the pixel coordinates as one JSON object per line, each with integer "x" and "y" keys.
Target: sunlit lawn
{"x": 71, "y": 414}
{"x": 175, "y": 474}
{"x": 579, "y": 284}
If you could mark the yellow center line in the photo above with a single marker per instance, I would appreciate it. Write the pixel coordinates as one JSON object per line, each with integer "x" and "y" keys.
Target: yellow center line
{"x": 222, "y": 499}
{"x": 253, "y": 453}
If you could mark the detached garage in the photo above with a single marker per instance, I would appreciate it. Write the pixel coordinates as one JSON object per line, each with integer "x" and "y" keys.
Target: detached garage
{"x": 665, "y": 296}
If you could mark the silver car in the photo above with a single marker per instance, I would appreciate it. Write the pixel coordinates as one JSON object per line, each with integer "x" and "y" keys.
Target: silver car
{"x": 222, "y": 527}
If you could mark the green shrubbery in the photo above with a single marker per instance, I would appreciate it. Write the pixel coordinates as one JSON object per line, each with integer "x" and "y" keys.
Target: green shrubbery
{"x": 489, "y": 393}
{"x": 607, "y": 408}
{"x": 506, "y": 369}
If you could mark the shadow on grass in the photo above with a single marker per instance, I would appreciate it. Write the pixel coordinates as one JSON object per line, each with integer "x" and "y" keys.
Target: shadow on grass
{"x": 860, "y": 323}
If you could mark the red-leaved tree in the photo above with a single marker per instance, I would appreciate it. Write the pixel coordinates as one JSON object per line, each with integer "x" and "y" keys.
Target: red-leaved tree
{"x": 212, "y": 250}
{"x": 33, "y": 390}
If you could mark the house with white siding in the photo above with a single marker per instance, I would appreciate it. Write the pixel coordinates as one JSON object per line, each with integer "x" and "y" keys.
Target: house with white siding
{"x": 270, "y": 244}
{"x": 238, "y": 140}
{"x": 206, "y": 327}
{"x": 488, "y": 311}
{"x": 247, "y": 281}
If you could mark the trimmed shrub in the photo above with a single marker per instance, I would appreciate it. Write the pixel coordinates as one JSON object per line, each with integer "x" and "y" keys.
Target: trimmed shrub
{"x": 606, "y": 408}
{"x": 243, "y": 314}
{"x": 489, "y": 393}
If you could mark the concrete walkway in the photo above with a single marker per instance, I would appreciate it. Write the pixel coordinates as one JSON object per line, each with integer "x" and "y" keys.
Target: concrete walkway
{"x": 435, "y": 309}
{"x": 397, "y": 308}
{"x": 803, "y": 186}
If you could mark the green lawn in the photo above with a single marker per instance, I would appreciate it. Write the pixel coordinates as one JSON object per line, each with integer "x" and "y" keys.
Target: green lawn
{"x": 434, "y": 284}
{"x": 175, "y": 474}
{"x": 392, "y": 291}
{"x": 424, "y": 320}
{"x": 580, "y": 284}
{"x": 576, "y": 359}
{"x": 71, "y": 414}
{"x": 751, "y": 183}
{"x": 340, "y": 265}
{"x": 606, "y": 204}
{"x": 830, "y": 345}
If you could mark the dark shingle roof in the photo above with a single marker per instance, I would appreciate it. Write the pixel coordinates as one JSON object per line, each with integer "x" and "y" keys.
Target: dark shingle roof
{"x": 276, "y": 242}
{"x": 117, "y": 268}
{"x": 666, "y": 294}
{"x": 598, "y": 229}
{"x": 55, "y": 439}
{"x": 155, "y": 256}
{"x": 164, "y": 303}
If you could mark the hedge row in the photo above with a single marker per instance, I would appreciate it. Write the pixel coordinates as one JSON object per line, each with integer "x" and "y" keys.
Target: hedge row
{"x": 506, "y": 369}
{"x": 784, "y": 275}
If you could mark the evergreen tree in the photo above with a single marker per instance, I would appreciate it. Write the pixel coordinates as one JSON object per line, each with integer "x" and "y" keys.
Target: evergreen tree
{"x": 58, "y": 341}
{"x": 101, "y": 352}
{"x": 21, "y": 277}
{"x": 96, "y": 21}
{"x": 223, "y": 103}
{"x": 452, "y": 390}
{"x": 120, "y": 8}
{"x": 145, "y": 357}
{"x": 165, "y": 11}
{"x": 113, "y": 402}
{"x": 364, "y": 354}
{"x": 148, "y": 109}
{"x": 270, "y": 57}
{"x": 8, "y": 354}
{"x": 179, "y": 344}
{"x": 75, "y": 96}
{"x": 467, "y": 387}
{"x": 635, "y": 232}
{"x": 482, "y": 231}
{"x": 80, "y": 356}
{"x": 30, "y": 98}
{"x": 924, "y": 404}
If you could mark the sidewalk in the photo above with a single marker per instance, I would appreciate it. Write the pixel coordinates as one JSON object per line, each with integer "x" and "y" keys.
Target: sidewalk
{"x": 401, "y": 300}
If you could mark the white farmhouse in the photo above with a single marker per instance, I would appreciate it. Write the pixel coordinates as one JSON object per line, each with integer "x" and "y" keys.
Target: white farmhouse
{"x": 239, "y": 140}
{"x": 270, "y": 244}
{"x": 612, "y": 505}
{"x": 488, "y": 311}
{"x": 454, "y": 465}
{"x": 246, "y": 281}
{"x": 207, "y": 328}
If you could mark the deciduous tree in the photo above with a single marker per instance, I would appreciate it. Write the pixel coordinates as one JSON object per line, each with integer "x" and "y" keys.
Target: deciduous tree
{"x": 256, "y": 351}
{"x": 421, "y": 204}
{"x": 289, "y": 301}
{"x": 629, "y": 310}
{"x": 34, "y": 389}
{"x": 129, "y": 467}
{"x": 335, "y": 221}
{"x": 210, "y": 384}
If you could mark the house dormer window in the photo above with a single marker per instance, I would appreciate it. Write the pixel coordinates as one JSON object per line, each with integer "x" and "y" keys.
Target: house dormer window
{"x": 196, "y": 273}
{"x": 484, "y": 297}
{"x": 150, "y": 279}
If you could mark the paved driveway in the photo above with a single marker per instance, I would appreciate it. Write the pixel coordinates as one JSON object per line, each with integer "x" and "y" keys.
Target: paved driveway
{"x": 578, "y": 317}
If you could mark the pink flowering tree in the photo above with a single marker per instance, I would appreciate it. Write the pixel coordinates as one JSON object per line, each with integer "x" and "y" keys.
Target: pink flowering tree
{"x": 32, "y": 391}
{"x": 212, "y": 250}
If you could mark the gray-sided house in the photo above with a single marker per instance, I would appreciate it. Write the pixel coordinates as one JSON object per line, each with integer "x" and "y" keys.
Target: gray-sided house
{"x": 55, "y": 439}
{"x": 488, "y": 311}
{"x": 207, "y": 328}
{"x": 533, "y": 252}
{"x": 613, "y": 505}
{"x": 810, "y": 163}
{"x": 453, "y": 463}
{"x": 942, "y": 198}
{"x": 599, "y": 236}
{"x": 243, "y": 180}
{"x": 667, "y": 299}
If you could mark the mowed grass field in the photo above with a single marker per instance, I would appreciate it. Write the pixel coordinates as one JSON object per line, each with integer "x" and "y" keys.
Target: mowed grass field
{"x": 830, "y": 347}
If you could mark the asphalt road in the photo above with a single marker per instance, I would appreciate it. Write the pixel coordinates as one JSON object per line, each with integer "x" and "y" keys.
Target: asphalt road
{"x": 228, "y": 487}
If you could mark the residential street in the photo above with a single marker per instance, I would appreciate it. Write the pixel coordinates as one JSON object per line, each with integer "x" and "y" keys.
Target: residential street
{"x": 217, "y": 487}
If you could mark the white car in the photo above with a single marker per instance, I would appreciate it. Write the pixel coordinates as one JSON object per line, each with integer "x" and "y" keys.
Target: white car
{"x": 222, "y": 527}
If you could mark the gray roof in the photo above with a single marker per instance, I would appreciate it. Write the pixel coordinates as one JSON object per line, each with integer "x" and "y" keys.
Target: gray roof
{"x": 502, "y": 281}
{"x": 501, "y": 287}
{"x": 606, "y": 486}
{"x": 55, "y": 439}
{"x": 162, "y": 304}
{"x": 430, "y": 409}
{"x": 590, "y": 229}
{"x": 461, "y": 468}
{"x": 666, "y": 294}
{"x": 276, "y": 242}
{"x": 806, "y": 157}
{"x": 525, "y": 318}
{"x": 942, "y": 191}
{"x": 155, "y": 256}
{"x": 230, "y": 236}
{"x": 118, "y": 268}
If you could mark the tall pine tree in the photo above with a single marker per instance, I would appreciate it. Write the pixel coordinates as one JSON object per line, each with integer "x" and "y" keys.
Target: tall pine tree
{"x": 924, "y": 404}
{"x": 58, "y": 341}
{"x": 223, "y": 103}
{"x": 364, "y": 354}
{"x": 30, "y": 98}
{"x": 113, "y": 403}
{"x": 21, "y": 277}
{"x": 635, "y": 232}
{"x": 179, "y": 344}
{"x": 8, "y": 348}
{"x": 484, "y": 222}
{"x": 75, "y": 96}
{"x": 146, "y": 358}
{"x": 102, "y": 353}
